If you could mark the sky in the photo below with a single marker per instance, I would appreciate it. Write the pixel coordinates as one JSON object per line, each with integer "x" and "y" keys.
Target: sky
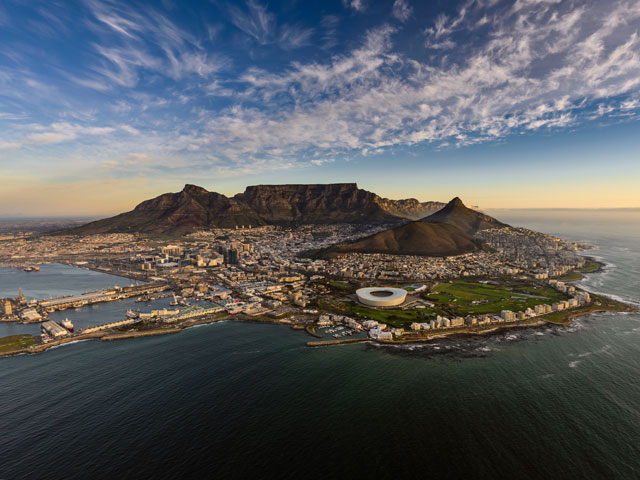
{"x": 521, "y": 103}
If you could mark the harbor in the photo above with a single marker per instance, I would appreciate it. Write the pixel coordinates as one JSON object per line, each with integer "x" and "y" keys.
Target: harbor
{"x": 56, "y": 293}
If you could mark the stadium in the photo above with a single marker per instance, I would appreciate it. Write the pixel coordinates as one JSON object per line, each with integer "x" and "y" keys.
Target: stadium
{"x": 381, "y": 296}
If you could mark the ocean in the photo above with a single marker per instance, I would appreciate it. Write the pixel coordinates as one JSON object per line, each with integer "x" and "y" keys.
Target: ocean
{"x": 248, "y": 400}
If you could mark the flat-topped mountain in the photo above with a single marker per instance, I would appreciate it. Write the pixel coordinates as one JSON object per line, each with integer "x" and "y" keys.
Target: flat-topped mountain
{"x": 196, "y": 208}
{"x": 467, "y": 220}
{"x": 414, "y": 238}
{"x": 326, "y": 203}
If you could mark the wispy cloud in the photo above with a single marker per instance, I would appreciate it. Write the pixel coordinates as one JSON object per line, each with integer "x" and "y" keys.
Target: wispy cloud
{"x": 258, "y": 23}
{"x": 292, "y": 37}
{"x": 145, "y": 40}
{"x": 402, "y": 10}
{"x": 330, "y": 25}
{"x": 537, "y": 67}
{"x": 163, "y": 92}
{"x": 9, "y": 146}
{"x": 62, "y": 131}
{"x": 357, "y": 5}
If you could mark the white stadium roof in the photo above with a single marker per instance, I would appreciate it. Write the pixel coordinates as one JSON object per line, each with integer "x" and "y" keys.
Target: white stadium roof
{"x": 381, "y": 296}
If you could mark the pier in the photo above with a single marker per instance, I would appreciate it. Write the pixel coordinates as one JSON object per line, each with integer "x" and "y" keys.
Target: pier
{"x": 62, "y": 303}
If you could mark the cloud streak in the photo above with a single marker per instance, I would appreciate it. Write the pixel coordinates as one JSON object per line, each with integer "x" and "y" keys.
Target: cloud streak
{"x": 133, "y": 42}
{"x": 488, "y": 71}
{"x": 540, "y": 64}
{"x": 262, "y": 26}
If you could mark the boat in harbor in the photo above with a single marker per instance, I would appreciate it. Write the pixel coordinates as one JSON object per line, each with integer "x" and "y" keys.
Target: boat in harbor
{"x": 66, "y": 323}
{"x": 132, "y": 313}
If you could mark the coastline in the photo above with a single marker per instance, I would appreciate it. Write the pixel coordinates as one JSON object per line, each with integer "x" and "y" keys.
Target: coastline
{"x": 601, "y": 303}
{"x": 605, "y": 304}
{"x": 558, "y": 319}
{"x": 111, "y": 335}
{"x": 594, "y": 266}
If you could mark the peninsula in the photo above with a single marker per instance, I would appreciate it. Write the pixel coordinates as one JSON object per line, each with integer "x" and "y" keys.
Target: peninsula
{"x": 301, "y": 263}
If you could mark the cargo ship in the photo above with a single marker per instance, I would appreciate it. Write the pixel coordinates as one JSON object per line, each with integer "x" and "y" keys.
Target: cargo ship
{"x": 66, "y": 323}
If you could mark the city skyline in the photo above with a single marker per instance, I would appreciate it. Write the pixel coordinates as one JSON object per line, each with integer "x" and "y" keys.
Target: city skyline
{"x": 527, "y": 104}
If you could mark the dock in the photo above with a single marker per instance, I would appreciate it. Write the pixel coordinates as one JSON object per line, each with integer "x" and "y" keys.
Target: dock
{"x": 325, "y": 343}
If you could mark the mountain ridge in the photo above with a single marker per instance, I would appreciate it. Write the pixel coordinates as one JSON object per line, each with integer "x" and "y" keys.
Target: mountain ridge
{"x": 195, "y": 208}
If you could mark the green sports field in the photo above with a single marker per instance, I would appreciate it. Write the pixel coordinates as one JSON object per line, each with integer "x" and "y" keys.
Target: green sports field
{"x": 464, "y": 298}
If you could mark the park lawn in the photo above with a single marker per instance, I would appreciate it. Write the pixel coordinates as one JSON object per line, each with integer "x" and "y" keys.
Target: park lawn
{"x": 570, "y": 277}
{"x": 457, "y": 297}
{"x": 408, "y": 288}
{"x": 15, "y": 342}
{"x": 347, "y": 287}
{"x": 590, "y": 267}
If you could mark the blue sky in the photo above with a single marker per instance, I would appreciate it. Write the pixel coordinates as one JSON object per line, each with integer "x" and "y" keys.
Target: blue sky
{"x": 526, "y": 103}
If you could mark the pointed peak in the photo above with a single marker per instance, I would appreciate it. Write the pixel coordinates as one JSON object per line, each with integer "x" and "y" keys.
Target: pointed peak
{"x": 189, "y": 188}
{"x": 456, "y": 202}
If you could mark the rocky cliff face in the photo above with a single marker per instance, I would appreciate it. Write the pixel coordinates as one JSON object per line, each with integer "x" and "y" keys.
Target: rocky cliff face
{"x": 409, "y": 208}
{"x": 321, "y": 203}
{"x": 195, "y": 208}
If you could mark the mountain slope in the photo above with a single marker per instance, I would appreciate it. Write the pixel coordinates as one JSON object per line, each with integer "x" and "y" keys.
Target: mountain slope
{"x": 414, "y": 238}
{"x": 195, "y": 208}
{"x": 189, "y": 210}
{"x": 457, "y": 214}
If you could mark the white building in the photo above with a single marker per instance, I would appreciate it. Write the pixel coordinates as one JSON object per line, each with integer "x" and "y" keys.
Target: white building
{"x": 381, "y": 296}
{"x": 369, "y": 324}
{"x": 378, "y": 334}
{"x": 508, "y": 315}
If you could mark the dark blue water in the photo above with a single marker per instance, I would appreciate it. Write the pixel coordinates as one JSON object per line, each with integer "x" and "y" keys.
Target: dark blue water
{"x": 241, "y": 400}
{"x": 88, "y": 316}
{"x": 55, "y": 279}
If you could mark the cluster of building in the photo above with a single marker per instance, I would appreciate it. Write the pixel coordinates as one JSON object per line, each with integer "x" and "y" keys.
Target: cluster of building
{"x": 535, "y": 253}
{"x": 258, "y": 271}
{"x": 577, "y": 299}
{"x": 518, "y": 252}
{"x": 54, "y": 248}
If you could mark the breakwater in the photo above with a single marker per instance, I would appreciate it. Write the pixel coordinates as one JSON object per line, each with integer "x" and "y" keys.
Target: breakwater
{"x": 324, "y": 343}
{"x": 142, "y": 333}
{"x": 108, "y": 326}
